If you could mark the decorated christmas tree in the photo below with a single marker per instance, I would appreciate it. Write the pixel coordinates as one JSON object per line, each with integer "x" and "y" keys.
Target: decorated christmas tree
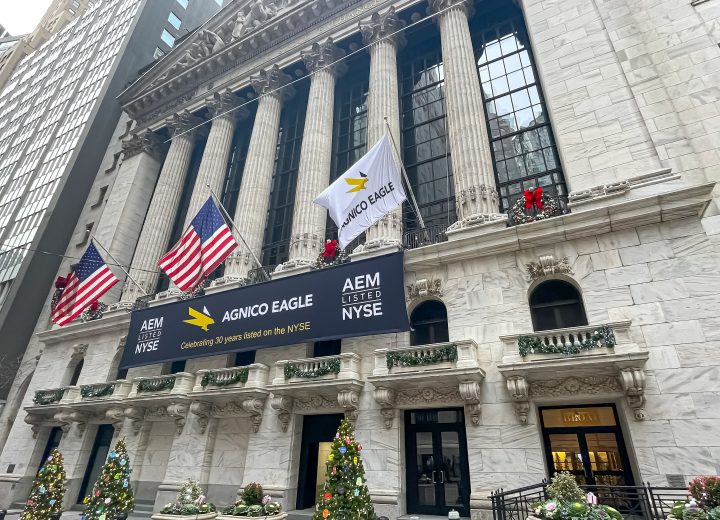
{"x": 345, "y": 495}
{"x": 111, "y": 495}
{"x": 47, "y": 491}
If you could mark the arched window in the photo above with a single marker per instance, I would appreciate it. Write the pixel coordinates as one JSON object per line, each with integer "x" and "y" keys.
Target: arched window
{"x": 556, "y": 305}
{"x": 76, "y": 372}
{"x": 429, "y": 324}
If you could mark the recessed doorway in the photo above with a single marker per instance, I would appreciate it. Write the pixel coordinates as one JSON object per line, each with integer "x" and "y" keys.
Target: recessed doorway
{"x": 438, "y": 475}
{"x": 317, "y": 436}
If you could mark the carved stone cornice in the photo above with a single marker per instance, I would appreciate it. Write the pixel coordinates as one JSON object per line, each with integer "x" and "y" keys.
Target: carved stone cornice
{"x": 145, "y": 142}
{"x": 271, "y": 82}
{"x": 186, "y": 124}
{"x": 322, "y": 55}
{"x": 383, "y": 26}
{"x": 428, "y": 396}
{"x": 592, "y": 385}
{"x": 224, "y": 104}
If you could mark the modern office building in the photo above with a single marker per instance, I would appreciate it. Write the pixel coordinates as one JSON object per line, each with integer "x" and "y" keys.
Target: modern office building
{"x": 59, "y": 124}
{"x": 574, "y": 329}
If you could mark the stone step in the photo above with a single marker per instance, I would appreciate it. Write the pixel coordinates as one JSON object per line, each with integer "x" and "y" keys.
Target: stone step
{"x": 300, "y": 514}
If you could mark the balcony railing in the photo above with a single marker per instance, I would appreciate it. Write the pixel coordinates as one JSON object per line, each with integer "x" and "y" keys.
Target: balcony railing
{"x": 426, "y": 358}
{"x": 180, "y": 383}
{"x": 342, "y": 366}
{"x": 424, "y": 237}
{"x": 47, "y": 397}
{"x": 99, "y": 391}
{"x": 254, "y": 375}
{"x": 260, "y": 274}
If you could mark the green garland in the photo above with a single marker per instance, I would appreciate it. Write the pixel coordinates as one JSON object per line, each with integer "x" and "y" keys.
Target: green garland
{"x": 211, "y": 378}
{"x": 331, "y": 367}
{"x": 156, "y": 385}
{"x": 100, "y": 390}
{"x": 437, "y": 355}
{"x": 45, "y": 397}
{"x": 601, "y": 337}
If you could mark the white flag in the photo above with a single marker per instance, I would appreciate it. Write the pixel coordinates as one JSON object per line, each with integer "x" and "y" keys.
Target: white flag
{"x": 365, "y": 193}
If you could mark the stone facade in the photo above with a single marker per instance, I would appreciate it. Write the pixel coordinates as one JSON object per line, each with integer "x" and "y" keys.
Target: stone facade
{"x": 632, "y": 97}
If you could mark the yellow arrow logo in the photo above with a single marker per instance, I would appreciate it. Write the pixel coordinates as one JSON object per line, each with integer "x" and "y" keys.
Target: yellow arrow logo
{"x": 357, "y": 184}
{"x": 200, "y": 319}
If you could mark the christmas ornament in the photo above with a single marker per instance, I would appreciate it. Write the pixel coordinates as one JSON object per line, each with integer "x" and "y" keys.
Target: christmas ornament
{"x": 341, "y": 490}
{"x": 108, "y": 500}
{"x": 334, "y": 470}
{"x": 358, "y": 482}
{"x": 113, "y": 455}
{"x": 359, "y": 447}
{"x": 356, "y": 492}
{"x": 327, "y": 496}
{"x": 355, "y": 460}
{"x": 342, "y": 450}
{"x": 123, "y": 462}
{"x": 331, "y": 457}
{"x": 326, "y": 513}
{"x": 347, "y": 440}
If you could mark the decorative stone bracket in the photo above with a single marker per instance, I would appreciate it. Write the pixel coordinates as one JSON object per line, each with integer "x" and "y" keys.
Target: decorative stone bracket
{"x": 470, "y": 392}
{"x": 178, "y": 412}
{"x": 67, "y": 419}
{"x": 201, "y": 411}
{"x": 349, "y": 400}
{"x": 283, "y": 404}
{"x": 633, "y": 383}
{"x": 136, "y": 416}
{"x": 254, "y": 406}
{"x": 385, "y": 397}
{"x": 518, "y": 388}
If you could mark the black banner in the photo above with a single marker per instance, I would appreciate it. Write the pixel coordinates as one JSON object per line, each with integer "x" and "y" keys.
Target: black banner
{"x": 355, "y": 299}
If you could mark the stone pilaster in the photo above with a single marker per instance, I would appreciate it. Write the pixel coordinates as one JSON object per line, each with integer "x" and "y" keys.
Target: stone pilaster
{"x": 308, "y": 231}
{"x": 213, "y": 167}
{"x": 156, "y": 230}
{"x": 383, "y": 105}
{"x": 477, "y": 200}
{"x": 123, "y": 215}
{"x": 254, "y": 198}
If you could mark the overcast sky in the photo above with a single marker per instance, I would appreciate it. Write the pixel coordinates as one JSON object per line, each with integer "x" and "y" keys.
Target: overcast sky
{"x": 21, "y": 17}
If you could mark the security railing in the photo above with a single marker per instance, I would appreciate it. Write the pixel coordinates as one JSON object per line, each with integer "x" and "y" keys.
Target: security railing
{"x": 424, "y": 237}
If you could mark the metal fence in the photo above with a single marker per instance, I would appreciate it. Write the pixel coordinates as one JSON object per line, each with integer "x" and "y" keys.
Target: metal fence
{"x": 424, "y": 237}
{"x": 647, "y": 501}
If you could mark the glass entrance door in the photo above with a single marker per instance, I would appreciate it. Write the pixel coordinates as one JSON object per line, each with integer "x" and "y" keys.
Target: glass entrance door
{"x": 99, "y": 452}
{"x": 587, "y": 442}
{"x": 437, "y": 467}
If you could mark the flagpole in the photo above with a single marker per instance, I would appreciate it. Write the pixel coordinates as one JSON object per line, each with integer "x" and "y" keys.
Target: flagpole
{"x": 94, "y": 238}
{"x": 232, "y": 223}
{"x": 405, "y": 175}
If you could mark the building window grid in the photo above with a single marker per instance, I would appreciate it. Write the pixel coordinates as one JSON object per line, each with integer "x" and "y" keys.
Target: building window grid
{"x": 424, "y": 141}
{"x": 282, "y": 196}
{"x": 236, "y": 164}
{"x": 521, "y": 138}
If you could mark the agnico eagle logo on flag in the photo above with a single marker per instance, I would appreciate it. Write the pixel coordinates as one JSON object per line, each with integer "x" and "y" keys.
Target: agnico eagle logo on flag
{"x": 365, "y": 193}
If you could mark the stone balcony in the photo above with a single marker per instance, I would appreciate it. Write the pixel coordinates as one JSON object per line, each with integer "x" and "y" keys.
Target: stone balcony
{"x": 601, "y": 359}
{"x": 427, "y": 375}
{"x": 316, "y": 385}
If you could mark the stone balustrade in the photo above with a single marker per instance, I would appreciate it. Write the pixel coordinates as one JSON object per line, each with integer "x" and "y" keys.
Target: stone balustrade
{"x": 180, "y": 383}
{"x": 48, "y": 397}
{"x": 343, "y": 366}
{"x": 99, "y": 391}
{"x": 251, "y": 376}
{"x": 426, "y": 358}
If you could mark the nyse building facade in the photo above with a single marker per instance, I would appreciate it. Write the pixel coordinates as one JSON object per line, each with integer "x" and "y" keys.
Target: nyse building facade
{"x": 561, "y": 288}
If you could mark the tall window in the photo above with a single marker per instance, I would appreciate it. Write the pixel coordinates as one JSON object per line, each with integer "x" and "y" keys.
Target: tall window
{"x": 350, "y": 124}
{"x": 521, "y": 137}
{"x": 424, "y": 145}
{"x": 77, "y": 369}
{"x": 556, "y": 305}
{"x": 429, "y": 324}
{"x": 282, "y": 197}
{"x": 236, "y": 165}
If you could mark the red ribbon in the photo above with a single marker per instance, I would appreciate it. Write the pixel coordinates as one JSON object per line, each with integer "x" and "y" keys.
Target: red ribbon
{"x": 60, "y": 283}
{"x": 330, "y": 249}
{"x": 533, "y": 198}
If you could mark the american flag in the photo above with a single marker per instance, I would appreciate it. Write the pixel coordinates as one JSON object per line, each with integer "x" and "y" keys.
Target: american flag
{"x": 88, "y": 281}
{"x": 206, "y": 243}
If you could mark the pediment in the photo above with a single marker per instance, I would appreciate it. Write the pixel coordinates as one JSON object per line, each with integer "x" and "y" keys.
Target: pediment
{"x": 239, "y": 30}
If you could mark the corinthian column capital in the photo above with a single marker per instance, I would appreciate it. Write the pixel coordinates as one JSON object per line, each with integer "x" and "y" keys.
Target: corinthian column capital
{"x": 273, "y": 82}
{"x": 435, "y": 6}
{"x": 147, "y": 142}
{"x": 225, "y": 103}
{"x": 381, "y": 26}
{"x": 185, "y": 123}
{"x": 323, "y": 55}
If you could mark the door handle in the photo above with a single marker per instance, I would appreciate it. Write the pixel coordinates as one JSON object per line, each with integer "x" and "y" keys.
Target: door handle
{"x": 442, "y": 474}
{"x": 433, "y": 477}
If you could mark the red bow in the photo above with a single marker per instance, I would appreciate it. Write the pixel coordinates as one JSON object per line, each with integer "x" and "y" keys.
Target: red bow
{"x": 534, "y": 198}
{"x": 330, "y": 249}
{"x": 94, "y": 306}
{"x": 60, "y": 283}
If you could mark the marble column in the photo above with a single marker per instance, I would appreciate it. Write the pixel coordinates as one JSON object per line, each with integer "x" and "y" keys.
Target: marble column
{"x": 213, "y": 167}
{"x": 155, "y": 234}
{"x": 128, "y": 202}
{"x": 476, "y": 196}
{"x": 308, "y": 230}
{"x": 254, "y": 197}
{"x": 383, "y": 108}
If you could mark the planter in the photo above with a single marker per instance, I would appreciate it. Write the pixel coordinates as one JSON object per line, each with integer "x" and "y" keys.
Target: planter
{"x": 279, "y": 516}
{"x": 204, "y": 516}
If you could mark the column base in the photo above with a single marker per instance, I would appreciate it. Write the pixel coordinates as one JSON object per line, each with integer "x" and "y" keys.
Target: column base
{"x": 293, "y": 267}
{"x": 226, "y": 283}
{"x": 378, "y": 247}
{"x": 475, "y": 223}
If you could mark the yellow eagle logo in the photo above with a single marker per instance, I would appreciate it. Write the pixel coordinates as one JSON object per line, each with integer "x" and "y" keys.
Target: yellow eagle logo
{"x": 357, "y": 184}
{"x": 200, "y": 319}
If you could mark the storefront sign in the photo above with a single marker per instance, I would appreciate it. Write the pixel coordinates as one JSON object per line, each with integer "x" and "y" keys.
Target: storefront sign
{"x": 356, "y": 299}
